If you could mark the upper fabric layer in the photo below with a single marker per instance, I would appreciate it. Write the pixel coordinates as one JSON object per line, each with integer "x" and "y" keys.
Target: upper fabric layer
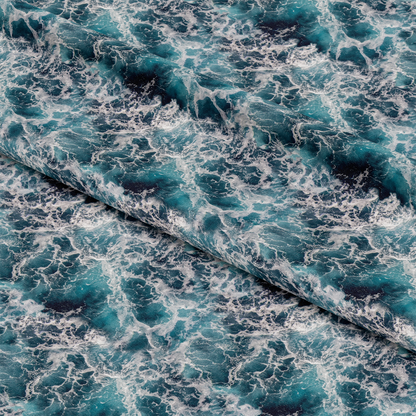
{"x": 323, "y": 214}
{"x": 101, "y": 314}
{"x": 350, "y": 64}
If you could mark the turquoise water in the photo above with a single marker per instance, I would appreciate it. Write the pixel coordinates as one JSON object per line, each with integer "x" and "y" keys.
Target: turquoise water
{"x": 350, "y": 64}
{"x": 250, "y": 151}
{"x": 103, "y": 315}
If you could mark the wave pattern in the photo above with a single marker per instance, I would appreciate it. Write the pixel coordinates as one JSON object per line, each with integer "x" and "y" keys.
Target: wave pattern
{"x": 101, "y": 314}
{"x": 323, "y": 213}
{"x": 350, "y": 64}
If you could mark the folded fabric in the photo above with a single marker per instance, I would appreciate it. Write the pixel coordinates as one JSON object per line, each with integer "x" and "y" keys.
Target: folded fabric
{"x": 323, "y": 214}
{"x": 103, "y": 315}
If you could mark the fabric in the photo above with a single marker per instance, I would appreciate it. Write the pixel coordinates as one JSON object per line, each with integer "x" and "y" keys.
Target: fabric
{"x": 276, "y": 137}
{"x": 287, "y": 198}
{"x": 102, "y": 314}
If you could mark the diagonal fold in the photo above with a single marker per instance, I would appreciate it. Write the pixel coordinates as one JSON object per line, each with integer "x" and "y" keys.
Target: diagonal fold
{"x": 324, "y": 214}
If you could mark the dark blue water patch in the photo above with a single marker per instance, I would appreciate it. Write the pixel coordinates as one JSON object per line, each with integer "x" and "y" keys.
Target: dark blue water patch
{"x": 355, "y": 165}
{"x": 20, "y": 29}
{"x": 368, "y": 170}
{"x": 152, "y": 80}
{"x": 362, "y": 292}
{"x": 154, "y": 182}
{"x": 273, "y": 409}
{"x": 207, "y": 108}
{"x": 273, "y": 26}
{"x": 14, "y": 131}
{"x": 88, "y": 301}
{"x": 301, "y": 23}
{"x": 23, "y": 103}
{"x": 163, "y": 186}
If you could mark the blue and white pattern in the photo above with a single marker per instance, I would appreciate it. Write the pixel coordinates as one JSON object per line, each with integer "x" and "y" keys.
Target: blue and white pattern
{"x": 313, "y": 208}
{"x": 102, "y": 315}
{"x": 277, "y": 137}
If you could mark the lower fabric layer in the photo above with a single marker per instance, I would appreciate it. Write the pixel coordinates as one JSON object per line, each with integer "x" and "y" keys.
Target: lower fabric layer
{"x": 102, "y": 315}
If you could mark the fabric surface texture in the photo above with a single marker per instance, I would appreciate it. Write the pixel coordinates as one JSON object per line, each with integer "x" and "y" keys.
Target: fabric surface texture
{"x": 208, "y": 207}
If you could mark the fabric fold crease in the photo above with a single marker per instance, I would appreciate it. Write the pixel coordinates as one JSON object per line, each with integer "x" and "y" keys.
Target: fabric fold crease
{"x": 326, "y": 215}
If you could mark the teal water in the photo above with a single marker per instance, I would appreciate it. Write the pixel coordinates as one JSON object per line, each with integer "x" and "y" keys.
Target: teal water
{"x": 350, "y": 64}
{"x": 253, "y": 150}
{"x": 103, "y": 315}
{"x": 312, "y": 203}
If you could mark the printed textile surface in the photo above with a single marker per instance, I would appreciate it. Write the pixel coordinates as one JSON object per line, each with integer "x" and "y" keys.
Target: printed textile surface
{"x": 207, "y": 207}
